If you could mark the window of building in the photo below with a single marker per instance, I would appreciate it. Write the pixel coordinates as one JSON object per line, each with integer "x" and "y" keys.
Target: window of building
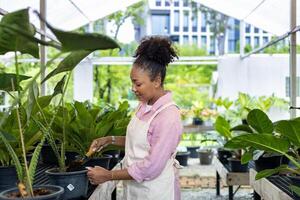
{"x": 203, "y": 22}
{"x": 212, "y": 48}
{"x": 256, "y": 41}
{"x": 256, "y": 30}
{"x": 203, "y": 42}
{"x": 248, "y": 28}
{"x": 158, "y": 2}
{"x": 185, "y": 21}
{"x": 195, "y": 39}
{"x": 185, "y": 39}
{"x": 167, "y": 3}
{"x": 176, "y": 21}
{"x": 287, "y": 86}
{"x": 185, "y": 3}
{"x": 174, "y": 38}
{"x": 231, "y": 46}
{"x": 194, "y": 22}
{"x": 248, "y": 40}
{"x": 160, "y": 24}
{"x": 265, "y": 39}
{"x": 176, "y": 3}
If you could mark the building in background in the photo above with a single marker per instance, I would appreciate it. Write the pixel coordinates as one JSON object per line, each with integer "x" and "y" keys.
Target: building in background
{"x": 185, "y": 24}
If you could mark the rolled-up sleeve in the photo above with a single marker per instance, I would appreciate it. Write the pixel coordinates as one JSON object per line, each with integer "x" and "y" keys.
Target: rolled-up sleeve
{"x": 165, "y": 131}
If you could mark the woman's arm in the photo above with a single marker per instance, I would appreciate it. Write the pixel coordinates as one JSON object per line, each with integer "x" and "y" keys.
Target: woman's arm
{"x": 98, "y": 175}
{"x": 100, "y": 142}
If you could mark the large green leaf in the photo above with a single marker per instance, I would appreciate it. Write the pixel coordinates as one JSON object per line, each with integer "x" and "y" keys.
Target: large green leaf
{"x": 68, "y": 63}
{"x": 269, "y": 172}
{"x": 264, "y": 141}
{"x": 295, "y": 189}
{"x": 59, "y": 88}
{"x": 33, "y": 93}
{"x": 72, "y": 41}
{"x": 13, "y": 41}
{"x": 289, "y": 129}
{"x": 223, "y": 127}
{"x": 242, "y": 127}
{"x": 6, "y": 80}
{"x": 260, "y": 121}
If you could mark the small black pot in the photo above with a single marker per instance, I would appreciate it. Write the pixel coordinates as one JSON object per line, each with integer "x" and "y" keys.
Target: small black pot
{"x": 268, "y": 162}
{"x": 182, "y": 158}
{"x": 56, "y": 194}
{"x": 8, "y": 178}
{"x": 205, "y": 156}
{"x": 197, "y": 121}
{"x": 102, "y": 161}
{"x": 223, "y": 155}
{"x": 295, "y": 181}
{"x": 75, "y": 183}
{"x": 193, "y": 150}
{"x": 235, "y": 165}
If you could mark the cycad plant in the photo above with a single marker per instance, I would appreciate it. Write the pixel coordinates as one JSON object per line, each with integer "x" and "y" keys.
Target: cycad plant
{"x": 17, "y": 34}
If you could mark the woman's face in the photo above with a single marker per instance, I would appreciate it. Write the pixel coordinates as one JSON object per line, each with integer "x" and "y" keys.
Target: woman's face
{"x": 142, "y": 86}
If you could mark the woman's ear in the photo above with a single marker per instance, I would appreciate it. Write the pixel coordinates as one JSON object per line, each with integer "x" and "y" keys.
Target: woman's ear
{"x": 157, "y": 82}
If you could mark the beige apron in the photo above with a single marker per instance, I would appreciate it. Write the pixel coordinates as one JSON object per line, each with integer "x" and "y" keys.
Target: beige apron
{"x": 136, "y": 149}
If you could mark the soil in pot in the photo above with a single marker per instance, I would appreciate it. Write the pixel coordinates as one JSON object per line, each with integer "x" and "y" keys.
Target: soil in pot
{"x": 205, "y": 156}
{"x": 268, "y": 162}
{"x": 223, "y": 155}
{"x": 193, "y": 150}
{"x": 75, "y": 183}
{"x": 101, "y": 161}
{"x": 8, "y": 177}
{"x": 235, "y": 165}
{"x": 42, "y": 192}
{"x": 182, "y": 158}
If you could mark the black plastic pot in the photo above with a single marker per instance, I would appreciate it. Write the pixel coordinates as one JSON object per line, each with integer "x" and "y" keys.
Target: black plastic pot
{"x": 193, "y": 150}
{"x": 70, "y": 156}
{"x": 182, "y": 158}
{"x": 115, "y": 157}
{"x": 75, "y": 183}
{"x": 8, "y": 178}
{"x": 48, "y": 156}
{"x": 268, "y": 162}
{"x": 205, "y": 156}
{"x": 102, "y": 161}
{"x": 197, "y": 121}
{"x": 295, "y": 181}
{"x": 56, "y": 193}
{"x": 223, "y": 155}
{"x": 235, "y": 165}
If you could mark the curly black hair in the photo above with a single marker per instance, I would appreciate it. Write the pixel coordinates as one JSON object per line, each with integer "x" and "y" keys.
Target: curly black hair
{"x": 154, "y": 54}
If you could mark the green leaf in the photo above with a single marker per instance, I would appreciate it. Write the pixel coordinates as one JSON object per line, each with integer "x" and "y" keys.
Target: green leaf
{"x": 41, "y": 102}
{"x": 12, "y": 40}
{"x": 33, "y": 94}
{"x": 247, "y": 156}
{"x": 264, "y": 141}
{"x": 295, "y": 189}
{"x": 270, "y": 172}
{"x": 260, "y": 121}
{"x": 242, "y": 127}
{"x": 68, "y": 63}
{"x": 59, "y": 88}
{"x": 7, "y": 79}
{"x": 289, "y": 129}
{"x": 223, "y": 127}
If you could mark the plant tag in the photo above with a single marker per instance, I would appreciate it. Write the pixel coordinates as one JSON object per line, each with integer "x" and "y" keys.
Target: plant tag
{"x": 70, "y": 187}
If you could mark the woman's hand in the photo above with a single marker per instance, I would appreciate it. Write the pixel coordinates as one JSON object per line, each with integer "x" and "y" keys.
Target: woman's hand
{"x": 98, "y": 175}
{"x": 99, "y": 143}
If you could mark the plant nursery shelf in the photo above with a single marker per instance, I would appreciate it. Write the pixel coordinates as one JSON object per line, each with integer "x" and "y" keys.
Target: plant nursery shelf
{"x": 197, "y": 128}
{"x": 229, "y": 178}
{"x": 271, "y": 188}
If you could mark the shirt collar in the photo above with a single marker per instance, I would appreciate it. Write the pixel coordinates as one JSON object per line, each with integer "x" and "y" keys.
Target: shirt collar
{"x": 166, "y": 98}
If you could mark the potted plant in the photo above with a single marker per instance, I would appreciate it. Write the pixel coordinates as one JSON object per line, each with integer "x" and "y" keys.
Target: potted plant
{"x": 197, "y": 108}
{"x": 194, "y": 144}
{"x": 205, "y": 152}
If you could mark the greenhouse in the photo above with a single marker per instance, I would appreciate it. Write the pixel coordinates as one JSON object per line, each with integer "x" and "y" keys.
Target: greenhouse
{"x": 149, "y": 99}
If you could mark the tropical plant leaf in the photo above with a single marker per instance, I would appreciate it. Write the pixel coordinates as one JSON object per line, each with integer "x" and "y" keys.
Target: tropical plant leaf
{"x": 242, "y": 127}
{"x": 223, "y": 127}
{"x": 263, "y": 141}
{"x": 289, "y": 129}
{"x": 260, "y": 121}
{"x": 59, "y": 88}
{"x": 33, "y": 93}
{"x": 269, "y": 172}
{"x": 6, "y": 80}
{"x": 69, "y": 63}
{"x": 246, "y": 157}
{"x": 13, "y": 41}
{"x": 295, "y": 189}
{"x": 41, "y": 103}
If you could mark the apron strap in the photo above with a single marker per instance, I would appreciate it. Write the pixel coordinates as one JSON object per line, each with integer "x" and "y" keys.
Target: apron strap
{"x": 159, "y": 110}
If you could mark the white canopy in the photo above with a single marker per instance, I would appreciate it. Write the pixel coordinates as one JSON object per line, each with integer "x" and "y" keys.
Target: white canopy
{"x": 270, "y": 15}
{"x": 70, "y": 14}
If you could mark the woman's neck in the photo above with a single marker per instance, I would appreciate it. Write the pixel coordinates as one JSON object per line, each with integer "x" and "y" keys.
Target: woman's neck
{"x": 161, "y": 93}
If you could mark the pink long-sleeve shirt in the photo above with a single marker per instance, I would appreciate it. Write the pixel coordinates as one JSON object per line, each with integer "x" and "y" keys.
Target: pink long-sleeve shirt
{"x": 163, "y": 136}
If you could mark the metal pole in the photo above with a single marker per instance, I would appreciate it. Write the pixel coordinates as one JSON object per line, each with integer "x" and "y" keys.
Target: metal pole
{"x": 242, "y": 37}
{"x": 293, "y": 63}
{"x": 43, "y": 48}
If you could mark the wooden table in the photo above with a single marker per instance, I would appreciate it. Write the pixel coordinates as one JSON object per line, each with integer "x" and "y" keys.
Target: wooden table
{"x": 265, "y": 189}
{"x": 229, "y": 178}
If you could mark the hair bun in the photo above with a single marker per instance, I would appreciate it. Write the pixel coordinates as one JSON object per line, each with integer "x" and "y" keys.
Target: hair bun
{"x": 157, "y": 49}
